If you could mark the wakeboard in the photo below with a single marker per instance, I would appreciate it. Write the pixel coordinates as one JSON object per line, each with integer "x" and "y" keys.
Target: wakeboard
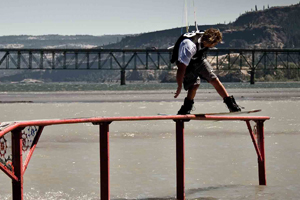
{"x": 223, "y": 113}
{"x": 231, "y": 113}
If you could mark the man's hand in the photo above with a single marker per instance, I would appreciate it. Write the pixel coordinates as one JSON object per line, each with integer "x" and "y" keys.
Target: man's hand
{"x": 177, "y": 92}
{"x": 179, "y": 77}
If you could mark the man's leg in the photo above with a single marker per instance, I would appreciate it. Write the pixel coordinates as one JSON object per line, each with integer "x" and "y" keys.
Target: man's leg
{"x": 219, "y": 87}
{"x": 228, "y": 100}
{"x": 188, "y": 101}
{"x": 207, "y": 73}
{"x": 192, "y": 92}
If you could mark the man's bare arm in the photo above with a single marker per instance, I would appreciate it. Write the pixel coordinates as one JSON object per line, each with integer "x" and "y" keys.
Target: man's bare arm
{"x": 179, "y": 77}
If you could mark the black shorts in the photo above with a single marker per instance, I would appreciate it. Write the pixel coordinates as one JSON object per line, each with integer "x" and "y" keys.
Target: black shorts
{"x": 197, "y": 71}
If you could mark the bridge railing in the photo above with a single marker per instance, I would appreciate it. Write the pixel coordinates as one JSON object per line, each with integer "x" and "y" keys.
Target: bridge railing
{"x": 103, "y": 59}
{"x": 251, "y": 60}
{"x": 24, "y": 136}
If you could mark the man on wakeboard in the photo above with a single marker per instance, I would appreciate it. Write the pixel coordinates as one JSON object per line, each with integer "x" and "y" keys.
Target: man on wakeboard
{"x": 189, "y": 54}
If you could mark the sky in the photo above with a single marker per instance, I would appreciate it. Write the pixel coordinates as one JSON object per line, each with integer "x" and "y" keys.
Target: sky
{"x": 106, "y": 17}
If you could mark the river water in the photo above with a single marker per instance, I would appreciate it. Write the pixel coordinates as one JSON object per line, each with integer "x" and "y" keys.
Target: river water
{"x": 221, "y": 162}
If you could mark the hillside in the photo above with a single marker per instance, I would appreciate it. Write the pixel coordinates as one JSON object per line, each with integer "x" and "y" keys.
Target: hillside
{"x": 281, "y": 24}
{"x": 57, "y": 41}
{"x": 159, "y": 39}
{"x": 276, "y": 27}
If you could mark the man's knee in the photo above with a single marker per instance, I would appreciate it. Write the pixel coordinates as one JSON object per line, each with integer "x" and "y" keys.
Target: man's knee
{"x": 214, "y": 81}
{"x": 195, "y": 86}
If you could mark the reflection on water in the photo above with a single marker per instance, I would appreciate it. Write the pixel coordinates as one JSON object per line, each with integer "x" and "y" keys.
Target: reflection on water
{"x": 226, "y": 192}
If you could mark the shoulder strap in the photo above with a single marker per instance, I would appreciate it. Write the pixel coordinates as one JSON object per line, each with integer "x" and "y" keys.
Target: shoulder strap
{"x": 194, "y": 37}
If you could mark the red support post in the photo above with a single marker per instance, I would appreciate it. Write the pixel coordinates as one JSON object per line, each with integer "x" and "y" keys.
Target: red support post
{"x": 261, "y": 145}
{"x": 32, "y": 148}
{"x": 17, "y": 162}
{"x": 104, "y": 161}
{"x": 180, "y": 176}
{"x": 253, "y": 137}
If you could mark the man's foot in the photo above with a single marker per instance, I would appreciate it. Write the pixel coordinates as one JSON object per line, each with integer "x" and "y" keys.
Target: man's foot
{"x": 186, "y": 107}
{"x": 231, "y": 104}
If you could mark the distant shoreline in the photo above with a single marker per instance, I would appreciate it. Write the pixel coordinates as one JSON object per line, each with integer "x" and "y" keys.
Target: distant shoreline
{"x": 130, "y": 86}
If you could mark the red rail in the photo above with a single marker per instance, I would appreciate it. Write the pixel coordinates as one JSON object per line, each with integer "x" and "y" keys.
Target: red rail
{"x": 19, "y": 168}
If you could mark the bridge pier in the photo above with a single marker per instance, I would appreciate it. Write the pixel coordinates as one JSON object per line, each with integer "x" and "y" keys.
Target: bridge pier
{"x": 123, "y": 77}
{"x": 252, "y": 76}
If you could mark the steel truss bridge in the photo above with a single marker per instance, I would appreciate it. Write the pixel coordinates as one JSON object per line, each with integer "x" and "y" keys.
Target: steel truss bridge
{"x": 251, "y": 60}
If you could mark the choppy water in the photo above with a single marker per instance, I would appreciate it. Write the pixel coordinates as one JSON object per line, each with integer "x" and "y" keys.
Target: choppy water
{"x": 221, "y": 162}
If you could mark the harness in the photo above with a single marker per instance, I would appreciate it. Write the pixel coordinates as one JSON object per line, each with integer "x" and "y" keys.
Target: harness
{"x": 194, "y": 37}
